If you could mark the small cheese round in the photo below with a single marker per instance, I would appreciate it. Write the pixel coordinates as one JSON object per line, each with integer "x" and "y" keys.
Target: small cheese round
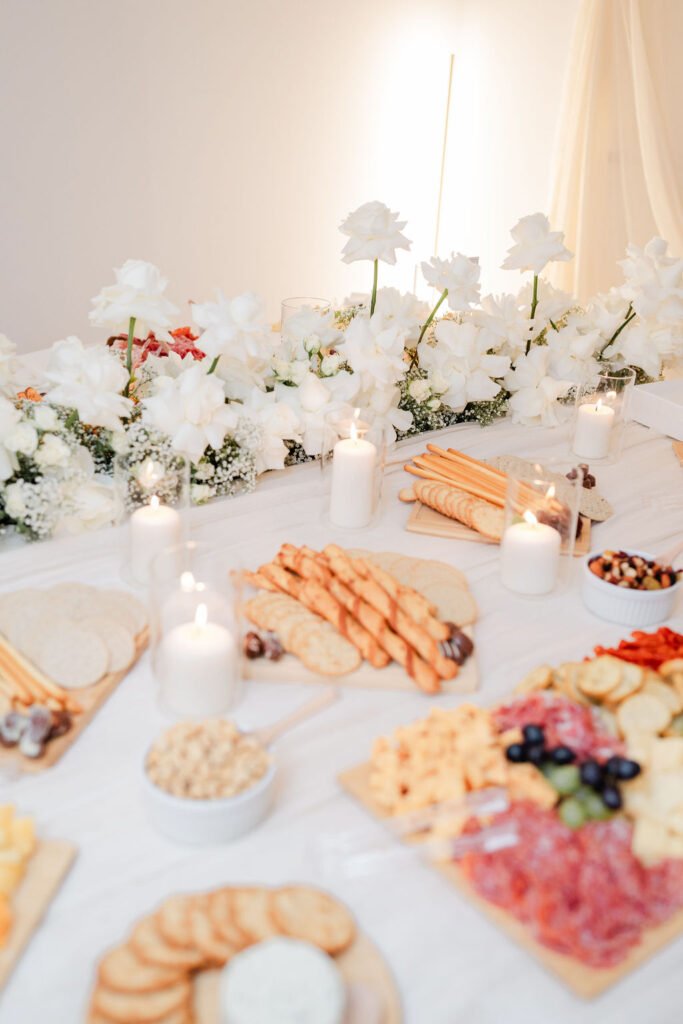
{"x": 282, "y": 980}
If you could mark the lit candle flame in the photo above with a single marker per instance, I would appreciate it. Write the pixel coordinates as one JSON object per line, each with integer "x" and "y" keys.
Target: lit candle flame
{"x": 598, "y": 405}
{"x": 201, "y": 616}
{"x": 530, "y": 518}
{"x": 151, "y": 472}
{"x": 354, "y": 431}
{"x": 611, "y": 396}
{"x": 550, "y": 493}
{"x": 187, "y": 582}
{"x": 154, "y": 501}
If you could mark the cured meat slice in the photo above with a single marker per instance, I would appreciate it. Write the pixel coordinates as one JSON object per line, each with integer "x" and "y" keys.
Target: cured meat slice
{"x": 564, "y": 723}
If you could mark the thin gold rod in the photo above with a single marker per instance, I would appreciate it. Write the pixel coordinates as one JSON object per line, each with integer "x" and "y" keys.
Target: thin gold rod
{"x": 443, "y": 155}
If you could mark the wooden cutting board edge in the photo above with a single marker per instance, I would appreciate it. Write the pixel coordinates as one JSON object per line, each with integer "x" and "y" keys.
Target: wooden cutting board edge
{"x": 45, "y": 872}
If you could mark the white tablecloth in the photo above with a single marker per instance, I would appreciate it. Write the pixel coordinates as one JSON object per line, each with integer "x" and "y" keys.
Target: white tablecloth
{"x": 450, "y": 963}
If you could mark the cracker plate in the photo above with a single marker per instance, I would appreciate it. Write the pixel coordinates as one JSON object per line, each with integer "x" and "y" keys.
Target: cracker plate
{"x": 587, "y": 982}
{"x": 92, "y": 698}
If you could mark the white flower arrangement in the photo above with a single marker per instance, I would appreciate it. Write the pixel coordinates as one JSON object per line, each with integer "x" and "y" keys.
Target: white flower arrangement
{"x": 239, "y": 399}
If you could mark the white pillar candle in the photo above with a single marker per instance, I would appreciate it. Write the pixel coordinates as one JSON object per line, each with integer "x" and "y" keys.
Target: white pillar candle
{"x": 182, "y": 603}
{"x": 530, "y": 556}
{"x": 593, "y": 428}
{"x": 352, "y": 499}
{"x": 152, "y": 528}
{"x": 198, "y": 667}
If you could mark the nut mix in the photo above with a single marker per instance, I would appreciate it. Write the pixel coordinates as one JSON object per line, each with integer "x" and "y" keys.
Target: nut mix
{"x": 206, "y": 760}
{"x": 632, "y": 571}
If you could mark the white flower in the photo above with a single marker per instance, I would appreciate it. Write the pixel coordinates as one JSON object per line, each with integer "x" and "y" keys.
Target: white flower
{"x": 139, "y": 293}
{"x": 503, "y": 318}
{"x": 9, "y": 417}
{"x": 607, "y": 312}
{"x": 13, "y": 499}
{"x": 88, "y": 380}
{"x": 536, "y": 245}
{"x": 419, "y": 389}
{"x": 201, "y": 492}
{"x": 572, "y": 352}
{"x": 375, "y": 351}
{"x": 119, "y": 442}
{"x": 434, "y": 404}
{"x": 52, "y": 452}
{"x": 374, "y": 234}
{"x": 313, "y": 401}
{"x": 277, "y": 421}
{"x": 654, "y": 282}
{"x": 404, "y": 312}
{"x": 535, "y": 391}
{"x": 552, "y": 303}
{"x": 329, "y": 365}
{"x": 7, "y": 368}
{"x": 460, "y": 358}
{"x": 647, "y": 344}
{"x": 88, "y": 505}
{"x": 459, "y": 275}
{"x": 45, "y": 417}
{"x": 382, "y": 403}
{"x": 310, "y": 330}
{"x": 231, "y": 327}
{"x": 23, "y": 439}
{"x": 192, "y": 410}
{"x": 294, "y": 371}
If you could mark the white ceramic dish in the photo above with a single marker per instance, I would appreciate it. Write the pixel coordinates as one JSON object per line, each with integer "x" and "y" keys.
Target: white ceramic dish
{"x": 627, "y": 607}
{"x": 208, "y": 821}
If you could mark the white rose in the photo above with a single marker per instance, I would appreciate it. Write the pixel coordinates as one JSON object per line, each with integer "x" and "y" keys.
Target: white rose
{"x": 52, "y": 451}
{"x": 138, "y": 293}
{"x": 298, "y": 371}
{"x": 23, "y": 439}
{"x": 89, "y": 380}
{"x": 92, "y": 507}
{"x": 281, "y": 368}
{"x": 434, "y": 404}
{"x": 201, "y": 492}
{"x": 329, "y": 365}
{"x": 374, "y": 234}
{"x": 536, "y": 245}
{"x": 419, "y": 390}
{"x": 312, "y": 344}
{"x": 44, "y": 417}
{"x": 15, "y": 506}
{"x": 459, "y": 276}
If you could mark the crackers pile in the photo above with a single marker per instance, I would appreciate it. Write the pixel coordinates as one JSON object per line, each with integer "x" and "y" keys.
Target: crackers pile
{"x": 475, "y": 513}
{"x": 72, "y": 635}
{"x": 446, "y": 755}
{"x": 645, "y": 709}
{"x": 148, "y": 979}
{"x": 335, "y": 608}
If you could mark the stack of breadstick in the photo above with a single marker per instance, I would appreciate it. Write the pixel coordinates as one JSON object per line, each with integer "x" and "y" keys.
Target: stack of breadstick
{"x": 468, "y": 490}
{"x": 23, "y": 685}
{"x": 382, "y": 618}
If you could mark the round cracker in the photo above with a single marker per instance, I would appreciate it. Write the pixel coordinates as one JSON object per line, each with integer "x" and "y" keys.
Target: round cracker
{"x": 149, "y": 944}
{"x": 313, "y": 916}
{"x": 250, "y": 909}
{"x": 141, "y": 1007}
{"x": 643, "y": 713}
{"x": 23, "y": 606}
{"x": 122, "y": 970}
{"x": 132, "y": 605}
{"x": 324, "y": 651}
{"x": 71, "y": 656}
{"x": 222, "y": 918}
{"x": 120, "y": 642}
{"x": 599, "y": 677}
{"x": 172, "y": 921}
{"x": 205, "y": 936}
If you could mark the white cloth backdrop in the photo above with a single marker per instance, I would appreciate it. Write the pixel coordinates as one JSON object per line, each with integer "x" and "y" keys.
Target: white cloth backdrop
{"x": 618, "y": 174}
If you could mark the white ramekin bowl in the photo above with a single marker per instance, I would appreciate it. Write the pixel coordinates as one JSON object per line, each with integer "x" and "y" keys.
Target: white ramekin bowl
{"x": 627, "y": 607}
{"x": 208, "y": 821}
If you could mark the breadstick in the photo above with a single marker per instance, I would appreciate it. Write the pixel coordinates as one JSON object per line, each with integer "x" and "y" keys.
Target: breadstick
{"x": 8, "y": 690}
{"x": 411, "y": 601}
{"x": 281, "y": 579}
{"x": 303, "y": 561}
{"x": 257, "y": 579}
{"x": 413, "y": 634}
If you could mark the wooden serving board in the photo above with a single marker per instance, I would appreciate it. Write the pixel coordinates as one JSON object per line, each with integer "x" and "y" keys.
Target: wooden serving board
{"x": 45, "y": 871}
{"x": 362, "y": 964}
{"x": 290, "y": 670}
{"x": 92, "y": 698}
{"x": 423, "y": 519}
{"x": 587, "y": 982}
{"x": 678, "y": 450}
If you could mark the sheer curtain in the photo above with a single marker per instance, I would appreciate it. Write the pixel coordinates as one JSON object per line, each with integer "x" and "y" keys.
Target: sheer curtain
{"x": 618, "y": 165}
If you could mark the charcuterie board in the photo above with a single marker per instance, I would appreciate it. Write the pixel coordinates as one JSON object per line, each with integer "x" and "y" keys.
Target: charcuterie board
{"x": 584, "y": 981}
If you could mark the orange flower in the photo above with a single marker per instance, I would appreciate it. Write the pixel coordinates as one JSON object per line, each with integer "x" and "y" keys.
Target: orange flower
{"x": 31, "y": 395}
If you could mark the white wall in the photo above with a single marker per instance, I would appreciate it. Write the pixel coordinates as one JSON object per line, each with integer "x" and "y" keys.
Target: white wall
{"x": 225, "y": 140}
